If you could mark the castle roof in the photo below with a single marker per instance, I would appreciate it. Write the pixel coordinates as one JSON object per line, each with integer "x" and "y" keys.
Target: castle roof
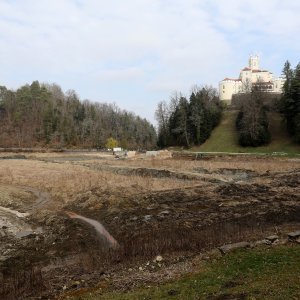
{"x": 262, "y": 82}
{"x": 254, "y": 70}
{"x": 231, "y": 79}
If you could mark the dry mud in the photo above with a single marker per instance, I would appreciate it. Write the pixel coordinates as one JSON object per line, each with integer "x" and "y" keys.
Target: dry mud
{"x": 44, "y": 253}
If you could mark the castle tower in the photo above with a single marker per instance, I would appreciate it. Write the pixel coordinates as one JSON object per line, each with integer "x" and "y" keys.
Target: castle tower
{"x": 249, "y": 77}
{"x": 254, "y": 62}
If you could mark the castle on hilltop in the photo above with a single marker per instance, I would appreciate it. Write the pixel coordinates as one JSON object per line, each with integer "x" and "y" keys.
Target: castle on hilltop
{"x": 250, "y": 77}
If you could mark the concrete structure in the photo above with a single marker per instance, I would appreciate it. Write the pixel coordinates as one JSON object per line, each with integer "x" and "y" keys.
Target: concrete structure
{"x": 250, "y": 77}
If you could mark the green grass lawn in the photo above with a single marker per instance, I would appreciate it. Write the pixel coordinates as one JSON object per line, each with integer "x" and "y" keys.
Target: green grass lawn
{"x": 261, "y": 273}
{"x": 224, "y": 138}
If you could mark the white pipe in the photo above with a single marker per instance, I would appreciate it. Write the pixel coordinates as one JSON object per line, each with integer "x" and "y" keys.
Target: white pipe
{"x": 98, "y": 226}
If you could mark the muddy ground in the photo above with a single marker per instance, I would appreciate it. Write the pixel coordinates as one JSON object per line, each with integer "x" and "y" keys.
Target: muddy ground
{"x": 150, "y": 206}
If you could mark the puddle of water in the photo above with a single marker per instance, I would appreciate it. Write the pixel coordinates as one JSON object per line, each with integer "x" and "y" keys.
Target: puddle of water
{"x": 14, "y": 212}
{"x": 24, "y": 233}
{"x": 12, "y": 222}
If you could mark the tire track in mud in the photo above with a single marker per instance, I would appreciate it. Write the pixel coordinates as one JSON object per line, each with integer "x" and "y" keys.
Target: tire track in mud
{"x": 158, "y": 173}
{"x": 42, "y": 198}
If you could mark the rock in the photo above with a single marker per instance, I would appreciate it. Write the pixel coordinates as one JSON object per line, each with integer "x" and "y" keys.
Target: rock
{"x": 272, "y": 238}
{"x": 230, "y": 247}
{"x": 140, "y": 269}
{"x": 75, "y": 284}
{"x": 3, "y": 258}
{"x": 164, "y": 213}
{"x": 294, "y": 235}
{"x": 276, "y": 242}
{"x": 262, "y": 242}
{"x": 158, "y": 258}
{"x": 147, "y": 218}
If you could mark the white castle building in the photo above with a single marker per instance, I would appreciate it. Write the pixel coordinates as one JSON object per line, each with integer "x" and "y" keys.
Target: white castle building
{"x": 251, "y": 76}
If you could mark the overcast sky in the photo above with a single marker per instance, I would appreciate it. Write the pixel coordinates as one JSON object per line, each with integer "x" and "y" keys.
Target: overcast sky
{"x": 137, "y": 52}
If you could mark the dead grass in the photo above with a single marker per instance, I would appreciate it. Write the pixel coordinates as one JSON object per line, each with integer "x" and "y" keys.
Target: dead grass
{"x": 65, "y": 181}
{"x": 257, "y": 165}
{"x": 260, "y": 165}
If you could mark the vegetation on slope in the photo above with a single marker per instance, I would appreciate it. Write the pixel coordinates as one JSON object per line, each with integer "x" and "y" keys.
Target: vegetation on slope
{"x": 265, "y": 273}
{"x": 224, "y": 138}
{"x": 42, "y": 115}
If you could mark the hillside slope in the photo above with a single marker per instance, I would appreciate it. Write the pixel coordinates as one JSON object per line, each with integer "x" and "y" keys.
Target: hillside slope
{"x": 224, "y": 137}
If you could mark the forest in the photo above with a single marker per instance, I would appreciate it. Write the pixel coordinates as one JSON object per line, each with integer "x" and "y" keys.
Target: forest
{"x": 42, "y": 115}
{"x": 188, "y": 121}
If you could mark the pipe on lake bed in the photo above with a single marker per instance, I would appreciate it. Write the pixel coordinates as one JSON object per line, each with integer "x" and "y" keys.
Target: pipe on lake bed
{"x": 98, "y": 227}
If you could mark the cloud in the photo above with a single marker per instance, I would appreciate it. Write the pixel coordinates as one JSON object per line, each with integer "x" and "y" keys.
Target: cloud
{"x": 146, "y": 48}
{"x": 125, "y": 74}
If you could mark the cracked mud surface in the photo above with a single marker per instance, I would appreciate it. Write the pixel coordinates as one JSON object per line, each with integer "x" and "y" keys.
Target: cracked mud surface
{"x": 149, "y": 207}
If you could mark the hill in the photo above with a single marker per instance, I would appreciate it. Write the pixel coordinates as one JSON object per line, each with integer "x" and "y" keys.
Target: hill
{"x": 224, "y": 137}
{"x": 42, "y": 115}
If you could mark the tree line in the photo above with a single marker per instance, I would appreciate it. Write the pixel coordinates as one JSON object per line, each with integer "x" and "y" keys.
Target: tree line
{"x": 290, "y": 101}
{"x": 188, "y": 121}
{"x": 43, "y": 115}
